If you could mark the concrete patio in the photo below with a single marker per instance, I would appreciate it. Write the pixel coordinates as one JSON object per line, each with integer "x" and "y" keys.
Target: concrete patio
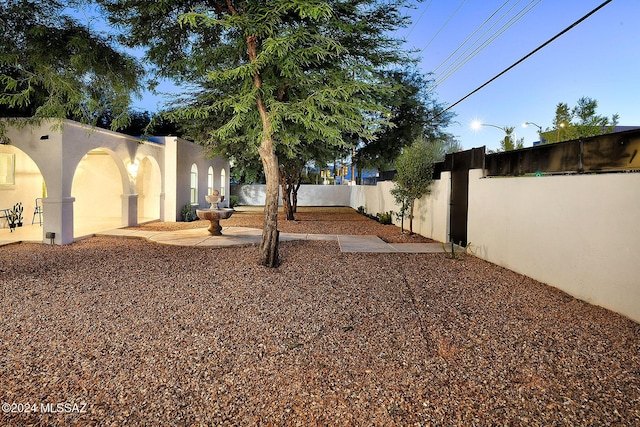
{"x": 232, "y": 236}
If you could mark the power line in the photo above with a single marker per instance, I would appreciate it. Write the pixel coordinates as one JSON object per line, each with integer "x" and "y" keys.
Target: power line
{"x": 443, "y": 25}
{"x": 450, "y": 70}
{"x": 570, "y": 27}
{"x": 419, "y": 18}
{"x": 470, "y": 36}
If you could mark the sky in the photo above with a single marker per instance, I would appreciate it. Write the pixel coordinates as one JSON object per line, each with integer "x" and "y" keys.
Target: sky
{"x": 599, "y": 58}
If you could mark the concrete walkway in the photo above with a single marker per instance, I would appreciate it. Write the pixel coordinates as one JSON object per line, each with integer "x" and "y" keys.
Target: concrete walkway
{"x": 233, "y": 236}
{"x": 241, "y": 236}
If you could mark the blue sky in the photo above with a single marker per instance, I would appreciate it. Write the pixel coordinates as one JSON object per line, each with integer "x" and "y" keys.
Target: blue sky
{"x": 600, "y": 58}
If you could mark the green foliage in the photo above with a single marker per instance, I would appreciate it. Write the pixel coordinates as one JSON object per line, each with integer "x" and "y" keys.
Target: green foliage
{"x": 52, "y": 66}
{"x": 509, "y": 143}
{"x": 385, "y": 217}
{"x": 233, "y": 201}
{"x": 580, "y": 121}
{"x": 362, "y": 210}
{"x": 274, "y": 76}
{"x": 413, "y": 113}
{"x": 414, "y": 175}
{"x": 457, "y": 251}
{"x": 188, "y": 213}
{"x": 414, "y": 172}
{"x": 318, "y": 63}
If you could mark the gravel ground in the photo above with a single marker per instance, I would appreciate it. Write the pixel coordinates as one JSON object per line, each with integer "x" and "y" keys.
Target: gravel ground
{"x": 326, "y": 220}
{"x": 136, "y": 333}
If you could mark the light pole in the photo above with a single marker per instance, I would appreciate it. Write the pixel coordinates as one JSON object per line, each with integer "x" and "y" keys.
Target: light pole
{"x": 476, "y": 125}
{"x": 561, "y": 125}
{"x": 525, "y": 124}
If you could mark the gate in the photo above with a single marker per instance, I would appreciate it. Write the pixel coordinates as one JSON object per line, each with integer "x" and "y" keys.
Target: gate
{"x": 459, "y": 165}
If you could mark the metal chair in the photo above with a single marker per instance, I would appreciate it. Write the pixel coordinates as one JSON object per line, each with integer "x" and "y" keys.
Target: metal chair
{"x": 37, "y": 211}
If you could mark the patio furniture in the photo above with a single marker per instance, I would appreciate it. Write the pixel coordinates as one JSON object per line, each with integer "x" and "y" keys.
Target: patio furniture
{"x": 37, "y": 211}
{"x": 4, "y": 214}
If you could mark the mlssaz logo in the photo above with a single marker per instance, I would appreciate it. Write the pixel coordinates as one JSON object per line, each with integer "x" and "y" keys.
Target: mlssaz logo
{"x": 65, "y": 408}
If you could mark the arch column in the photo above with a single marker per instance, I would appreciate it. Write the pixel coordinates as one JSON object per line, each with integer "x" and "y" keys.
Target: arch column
{"x": 129, "y": 210}
{"x": 163, "y": 213}
{"x": 58, "y": 219}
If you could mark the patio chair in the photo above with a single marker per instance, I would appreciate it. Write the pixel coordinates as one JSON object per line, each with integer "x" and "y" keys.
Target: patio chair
{"x": 37, "y": 211}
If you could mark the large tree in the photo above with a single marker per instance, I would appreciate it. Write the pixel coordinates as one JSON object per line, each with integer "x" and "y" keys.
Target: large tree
{"x": 580, "y": 121}
{"x": 264, "y": 65}
{"x": 414, "y": 112}
{"x": 54, "y": 66}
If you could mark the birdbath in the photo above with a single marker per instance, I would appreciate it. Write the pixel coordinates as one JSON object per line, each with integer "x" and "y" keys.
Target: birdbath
{"x": 214, "y": 214}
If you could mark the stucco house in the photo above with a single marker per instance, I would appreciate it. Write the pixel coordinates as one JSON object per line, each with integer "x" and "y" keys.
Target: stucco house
{"x": 86, "y": 179}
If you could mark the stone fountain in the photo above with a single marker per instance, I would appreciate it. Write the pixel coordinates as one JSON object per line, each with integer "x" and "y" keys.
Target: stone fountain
{"x": 214, "y": 214}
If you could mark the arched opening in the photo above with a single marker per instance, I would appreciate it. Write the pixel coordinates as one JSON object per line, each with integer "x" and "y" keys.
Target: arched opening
{"x": 148, "y": 188}
{"x": 97, "y": 188}
{"x": 210, "y": 180}
{"x": 194, "y": 185}
{"x": 21, "y": 182}
{"x": 223, "y": 181}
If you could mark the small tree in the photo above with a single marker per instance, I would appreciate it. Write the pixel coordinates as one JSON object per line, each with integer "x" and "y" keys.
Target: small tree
{"x": 414, "y": 175}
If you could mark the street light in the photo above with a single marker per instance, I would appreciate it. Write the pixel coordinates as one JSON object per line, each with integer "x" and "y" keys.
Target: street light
{"x": 561, "y": 125}
{"x": 476, "y": 125}
{"x": 542, "y": 140}
{"x": 525, "y": 124}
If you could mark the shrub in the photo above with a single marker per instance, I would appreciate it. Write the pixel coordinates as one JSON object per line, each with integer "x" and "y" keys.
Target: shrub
{"x": 188, "y": 213}
{"x": 385, "y": 217}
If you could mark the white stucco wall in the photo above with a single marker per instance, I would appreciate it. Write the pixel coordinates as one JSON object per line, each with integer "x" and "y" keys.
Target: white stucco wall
{"x": 27, "y": 187}
{"x": 179, "y": 156}
{"x": 96, "y": 188}
{"x": 431, "y": 212}
{"x": 578, "y": 233}
{"x": 308, "y": 195}
{"x": 59, "y": 154}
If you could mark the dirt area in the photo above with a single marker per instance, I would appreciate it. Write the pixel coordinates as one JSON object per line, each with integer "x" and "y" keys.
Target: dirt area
{"x": 116, "y": 331}
{"x": 316, "y": 220}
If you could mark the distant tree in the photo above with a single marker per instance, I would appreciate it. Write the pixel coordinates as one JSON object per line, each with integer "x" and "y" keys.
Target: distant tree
{"x": 509, "y": 141}
{"x": 52, "y": 66}
{"x": 413, "y": 112}
{"x": 414, "y": 174}
{"x": 578, "y": 122}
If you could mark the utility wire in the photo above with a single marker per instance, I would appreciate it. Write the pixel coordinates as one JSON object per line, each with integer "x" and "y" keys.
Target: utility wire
{"x": 470, "y": 36}
{"x": 443, "y": 25}
{"x": 458, "y": 59}
{"x": 570, "y": 27}
{"x": 453, "y": 68}
{"x": 419, "y": 18}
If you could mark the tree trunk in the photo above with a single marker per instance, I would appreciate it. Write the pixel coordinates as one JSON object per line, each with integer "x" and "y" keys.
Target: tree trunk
{"x": 294, "y": 196}
{"x": 286, "y": 195}
{"x": 270, "y": 233}
{"x": 269, "y": 242}
{"x": 411, "y": 217}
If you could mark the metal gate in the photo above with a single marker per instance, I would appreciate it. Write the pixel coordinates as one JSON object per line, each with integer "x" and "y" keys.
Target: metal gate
{"x": 459, "y": 165}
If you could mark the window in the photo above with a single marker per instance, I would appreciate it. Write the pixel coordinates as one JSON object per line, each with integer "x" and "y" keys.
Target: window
{"x": 223, "y": 181}
{"x": 210, "y": 181}
{"x": 194, "y": 184}
{"x": 7, "y": 169}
